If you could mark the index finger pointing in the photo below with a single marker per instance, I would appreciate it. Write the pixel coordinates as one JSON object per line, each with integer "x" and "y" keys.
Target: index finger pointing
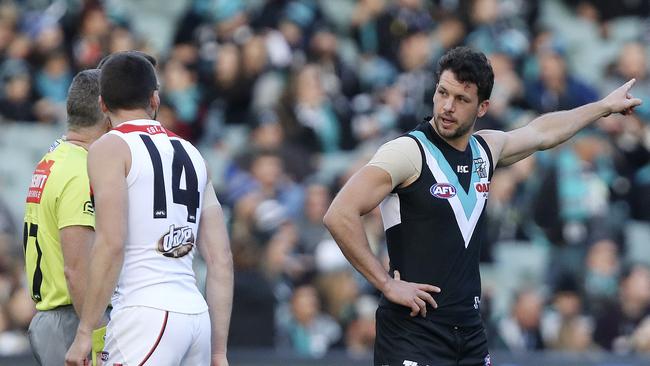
{"x": 630, "y": 83}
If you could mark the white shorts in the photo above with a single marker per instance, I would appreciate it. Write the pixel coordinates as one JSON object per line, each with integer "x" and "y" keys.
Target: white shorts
{"x": 146, "y": 336}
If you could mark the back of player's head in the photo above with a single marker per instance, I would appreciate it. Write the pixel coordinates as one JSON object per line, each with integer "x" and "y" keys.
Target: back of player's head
{"x": 128, "y": 80}
{"x": 83, "y": 100}
{"x": 133, "y": 52}
{"x": 469, "y": 66}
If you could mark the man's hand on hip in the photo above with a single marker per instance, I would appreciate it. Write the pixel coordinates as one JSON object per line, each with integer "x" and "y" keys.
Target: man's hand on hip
{"x": 410, "y": 294}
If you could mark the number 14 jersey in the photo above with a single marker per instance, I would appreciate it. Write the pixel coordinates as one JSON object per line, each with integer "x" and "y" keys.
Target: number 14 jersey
{"x": 165, "y": 190}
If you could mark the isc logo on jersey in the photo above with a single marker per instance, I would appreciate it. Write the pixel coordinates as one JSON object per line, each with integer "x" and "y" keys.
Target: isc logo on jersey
{"x": 177, "y": 242}
{"x": 443, "y": 190}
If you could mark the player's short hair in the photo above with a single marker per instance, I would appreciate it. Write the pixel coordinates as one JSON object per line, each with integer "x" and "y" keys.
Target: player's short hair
{"x": 468, "y": 66}
{"x": 83, "y": 100}
{"x": 128, "y": 79}
{"x": 135, "y": 52}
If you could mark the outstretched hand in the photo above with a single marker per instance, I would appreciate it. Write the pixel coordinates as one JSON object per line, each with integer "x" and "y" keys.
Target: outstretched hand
{"x": 620, "y": 100}
{"x": 411, "y": 294}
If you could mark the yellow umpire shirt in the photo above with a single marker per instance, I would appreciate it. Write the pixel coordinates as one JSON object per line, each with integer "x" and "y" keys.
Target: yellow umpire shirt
{"x": 59, "y": 195}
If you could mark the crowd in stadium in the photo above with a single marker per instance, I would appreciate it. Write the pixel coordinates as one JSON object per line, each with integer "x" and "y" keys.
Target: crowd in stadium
{"x": 287, "y": 98}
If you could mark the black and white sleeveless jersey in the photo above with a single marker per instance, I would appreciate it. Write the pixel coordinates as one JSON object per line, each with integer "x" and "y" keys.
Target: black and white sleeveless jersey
{"x": 435, "y": 226}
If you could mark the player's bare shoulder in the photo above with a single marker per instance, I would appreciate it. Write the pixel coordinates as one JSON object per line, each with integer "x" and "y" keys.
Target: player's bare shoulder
{"x": 495, "y": 140}
{"x": 109, "y": 147}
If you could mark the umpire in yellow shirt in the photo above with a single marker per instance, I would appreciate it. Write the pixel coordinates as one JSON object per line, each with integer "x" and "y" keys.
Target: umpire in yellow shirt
{"x": 59, "y": 225}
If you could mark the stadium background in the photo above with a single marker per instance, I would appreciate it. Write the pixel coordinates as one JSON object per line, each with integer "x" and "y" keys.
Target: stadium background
{"x": 287, "y": 98}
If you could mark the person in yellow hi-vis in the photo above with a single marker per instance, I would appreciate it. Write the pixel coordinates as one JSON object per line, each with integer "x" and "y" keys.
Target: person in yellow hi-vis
{"x": 59, "y": 225}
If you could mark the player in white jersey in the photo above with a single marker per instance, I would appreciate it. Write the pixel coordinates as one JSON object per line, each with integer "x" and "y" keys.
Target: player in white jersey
{"x": 155, "y": 206}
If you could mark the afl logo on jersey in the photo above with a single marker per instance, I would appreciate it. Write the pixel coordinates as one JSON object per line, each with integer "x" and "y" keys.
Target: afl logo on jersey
{"x": 443, "y": 190}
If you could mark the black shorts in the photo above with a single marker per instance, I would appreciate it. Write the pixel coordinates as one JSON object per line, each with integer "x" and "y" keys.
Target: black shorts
{"x": 415, "y": 341}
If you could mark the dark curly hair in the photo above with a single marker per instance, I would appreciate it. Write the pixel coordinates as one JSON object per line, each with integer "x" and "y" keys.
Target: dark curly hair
{"x": 468, "y": 66}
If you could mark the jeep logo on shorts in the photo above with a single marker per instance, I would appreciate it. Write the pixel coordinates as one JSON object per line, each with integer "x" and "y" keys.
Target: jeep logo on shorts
{"x": 177, "y": 242}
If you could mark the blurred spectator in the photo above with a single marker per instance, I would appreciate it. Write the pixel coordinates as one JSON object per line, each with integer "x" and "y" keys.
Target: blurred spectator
{"x": 618, "y": 322}
{"x": 340, "y": 292}
{"x": 308, "y": 331}
{"x": 339, "y": 78}
{"x": 520, "y": 331}
{"x": 16, "y": 307}
{"x": 641, "y": 337}
{"x": 267, "y": 134}
{"x": 509, "y": 214}
{"x": 121, "y": 40}
{"x": 92, "y": 35}
{"x": 266, "y": 84}
{"x": 556, "y": 88}
{"x": 16, "y": 103}
{"x": 12, "y": 341}
{"x": 416, "y": 80}
{"x": 54, "y": 78}
{"x": 254, "y": 301}
{"x": 449, "y": 33}
{"x": 497, "y": 28}
{"x": 183, "y": 95}
{"x": 228, "y": 95}
{"x": 507, "y": 95}
{"x": 631, "y": 141}
{"x": 399, "y": 19}
{"x": 564, "y": 317}
{"x": 283, "y": 264}
{"x": 576, "y": 335}
{"x": 365, "y": 27}
{"x": 267, "y": 170}
{"x": 601, "y": 274}
{"x": 360, "y": 333}
{"x": 311, "y": 119}
{"x": 573, "y": 203}
{"x": 312, "y": 231}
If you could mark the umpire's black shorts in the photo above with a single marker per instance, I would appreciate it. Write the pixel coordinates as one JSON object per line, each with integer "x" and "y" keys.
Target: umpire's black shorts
{"x": 403, "y": 340}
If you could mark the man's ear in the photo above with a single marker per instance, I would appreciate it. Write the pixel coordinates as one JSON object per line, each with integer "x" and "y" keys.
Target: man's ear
{"x": 154, "y": 100}
{"x": 102, "y": 106}
{"x": 483, "y": 108}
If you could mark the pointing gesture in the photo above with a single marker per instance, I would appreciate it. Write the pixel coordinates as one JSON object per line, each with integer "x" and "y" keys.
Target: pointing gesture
{"x": 620, "y": 100}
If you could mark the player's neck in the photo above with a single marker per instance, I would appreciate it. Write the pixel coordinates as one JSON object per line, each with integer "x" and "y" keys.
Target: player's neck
{"x": 123, "y": 115}
{"x": 84, "y": 136}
